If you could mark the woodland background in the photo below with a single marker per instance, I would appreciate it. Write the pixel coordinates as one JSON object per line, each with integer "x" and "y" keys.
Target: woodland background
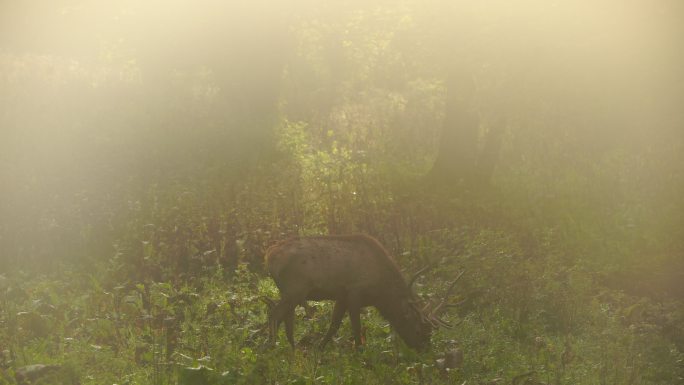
{"x": 150, "y": 153}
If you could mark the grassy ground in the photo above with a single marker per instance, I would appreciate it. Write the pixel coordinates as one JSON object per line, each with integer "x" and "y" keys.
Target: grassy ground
{"x": 210, "y": 330}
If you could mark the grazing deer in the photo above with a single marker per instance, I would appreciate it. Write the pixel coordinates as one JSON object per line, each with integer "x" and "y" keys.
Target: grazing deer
{"x": 355, "y": 271}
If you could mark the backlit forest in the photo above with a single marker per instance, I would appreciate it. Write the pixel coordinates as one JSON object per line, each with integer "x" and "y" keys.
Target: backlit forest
{"x": 529, "y": 152}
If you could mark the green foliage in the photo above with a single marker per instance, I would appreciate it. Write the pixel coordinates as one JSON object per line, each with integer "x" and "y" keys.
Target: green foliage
{"x": 211, "y": 330}
{"x": 139, "y": 191}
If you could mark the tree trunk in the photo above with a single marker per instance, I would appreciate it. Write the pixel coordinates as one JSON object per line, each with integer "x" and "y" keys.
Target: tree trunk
{"x": 461, "y": 159}
{"x": 489, "y": 155}
{"x": 457, "y": 154}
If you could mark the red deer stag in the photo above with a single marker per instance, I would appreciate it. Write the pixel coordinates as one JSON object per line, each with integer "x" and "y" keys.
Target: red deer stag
{"x": 355, "y": 271}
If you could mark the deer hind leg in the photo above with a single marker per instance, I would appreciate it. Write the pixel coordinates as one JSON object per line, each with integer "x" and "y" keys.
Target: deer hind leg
{"x": 284, "y": 311}
{"x": 337, "y": 316}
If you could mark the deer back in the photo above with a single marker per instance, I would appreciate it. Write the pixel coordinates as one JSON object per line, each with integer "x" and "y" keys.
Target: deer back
{"x": 332, "y": 265}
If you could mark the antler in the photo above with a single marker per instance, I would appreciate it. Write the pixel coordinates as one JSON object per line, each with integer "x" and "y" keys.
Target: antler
{"x": 432, "y": 316}
{"x": 447, "y": 294}
{"x": 418, "y": 274}
{"x": 429, "y": 266}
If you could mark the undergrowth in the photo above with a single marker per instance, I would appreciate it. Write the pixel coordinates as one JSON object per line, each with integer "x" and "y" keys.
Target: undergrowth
{"x": 210, "y": 329}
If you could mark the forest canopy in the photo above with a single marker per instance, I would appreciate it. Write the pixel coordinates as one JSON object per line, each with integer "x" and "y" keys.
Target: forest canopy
{"x": 536, "y": 144}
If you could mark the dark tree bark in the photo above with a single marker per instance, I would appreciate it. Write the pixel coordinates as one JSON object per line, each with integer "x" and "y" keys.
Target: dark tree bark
{"x": 456, "y": 158}
{"x": 488, "y": 157}
{"x": 463, "y": 158}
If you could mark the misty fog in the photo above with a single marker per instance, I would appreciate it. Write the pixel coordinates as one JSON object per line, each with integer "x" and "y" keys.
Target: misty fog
{"x": 143, "y": 140}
